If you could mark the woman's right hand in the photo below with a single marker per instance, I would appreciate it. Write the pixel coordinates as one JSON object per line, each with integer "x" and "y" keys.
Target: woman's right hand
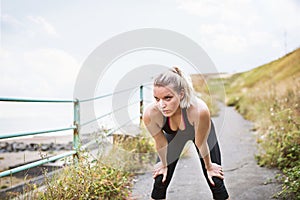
{"x": 159, "y": 168}
{"x": 215, "y": 170}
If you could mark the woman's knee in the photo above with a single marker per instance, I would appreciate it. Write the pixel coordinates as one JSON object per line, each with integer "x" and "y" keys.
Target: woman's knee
{"x": 159, "y": 188}
{"x": 219, "y": 190}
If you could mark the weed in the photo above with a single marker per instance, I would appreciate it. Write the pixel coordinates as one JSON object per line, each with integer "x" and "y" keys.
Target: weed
{"x": 107, "y": 177}
{"x": 275, "y": 110}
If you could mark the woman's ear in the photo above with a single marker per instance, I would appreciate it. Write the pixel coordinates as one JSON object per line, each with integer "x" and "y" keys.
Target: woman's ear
{"x": 181, "y": 94}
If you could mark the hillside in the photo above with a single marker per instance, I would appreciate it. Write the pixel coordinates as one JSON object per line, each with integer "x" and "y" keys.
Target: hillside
{"x": 269, "y": 96}
{"x": 279, "y": 75}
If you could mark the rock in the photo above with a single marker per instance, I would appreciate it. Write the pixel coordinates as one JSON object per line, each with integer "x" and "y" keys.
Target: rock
{"x": 45, "y": 147}
{"x": 33, "y": 147}
{"x": 51, "y": 146}
{"x": 59, "y": 147}
{"x": 20, "y": 146}
{"x": 14, "y": 147}
{"x": 3, "y": 145}
{"x": 9, "y": 148}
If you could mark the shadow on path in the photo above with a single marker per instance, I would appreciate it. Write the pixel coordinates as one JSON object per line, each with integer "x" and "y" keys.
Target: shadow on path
{"x": 244, "y": 179}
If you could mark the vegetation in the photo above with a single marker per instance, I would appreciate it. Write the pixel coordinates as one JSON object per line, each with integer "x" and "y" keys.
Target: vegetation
{"x": 88, "y": 180}
{"x": 135, "y": 154}
{"x": 108, "y": 177}
{"x": 270, "y": 97}
{"x": 210, "y": 89}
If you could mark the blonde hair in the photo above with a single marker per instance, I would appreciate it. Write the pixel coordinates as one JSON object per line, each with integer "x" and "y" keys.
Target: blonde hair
{"x": 179, "y": 82}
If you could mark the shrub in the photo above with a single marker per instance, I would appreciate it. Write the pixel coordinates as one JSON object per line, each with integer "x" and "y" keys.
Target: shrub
{"x": 277, "y": 120}
{"x": 87, "y": 180}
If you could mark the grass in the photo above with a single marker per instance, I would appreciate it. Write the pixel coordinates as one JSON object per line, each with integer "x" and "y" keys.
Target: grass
{"x": 282, "y": 71}
{"x": 133, "y": 153}
{"x": 88, "y": 180}
{"x": 109, "y": 176}
{"x": 270, "y": 97}
{"x": 210, "y": 90}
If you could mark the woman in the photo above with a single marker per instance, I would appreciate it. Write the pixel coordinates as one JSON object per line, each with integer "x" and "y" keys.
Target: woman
{"x": 176, "y": 117}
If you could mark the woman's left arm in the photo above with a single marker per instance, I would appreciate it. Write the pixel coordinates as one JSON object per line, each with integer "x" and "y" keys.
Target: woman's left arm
{"x": 202, "y": 129}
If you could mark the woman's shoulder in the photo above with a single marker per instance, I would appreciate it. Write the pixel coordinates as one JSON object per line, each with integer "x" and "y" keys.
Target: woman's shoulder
{"x": 152, "y": 113}
{"x": 198, "y": 110}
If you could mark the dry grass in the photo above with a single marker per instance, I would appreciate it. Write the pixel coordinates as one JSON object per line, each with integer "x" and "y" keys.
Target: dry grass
{"x": 270, "y": 97}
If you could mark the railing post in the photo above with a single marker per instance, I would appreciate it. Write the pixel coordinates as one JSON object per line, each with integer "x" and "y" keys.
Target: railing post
{"x": 141, "y": 104}
{"x": 77, "y": 129}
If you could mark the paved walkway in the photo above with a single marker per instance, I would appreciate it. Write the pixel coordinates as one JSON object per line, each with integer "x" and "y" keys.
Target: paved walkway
{"x": 244, "y": 179}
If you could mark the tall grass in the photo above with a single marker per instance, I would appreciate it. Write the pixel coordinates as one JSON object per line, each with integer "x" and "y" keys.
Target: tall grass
{"x": 88, "y": 180}
{"x": 109, "y": 176}
{"x": 269, "y": 96}
{"x": 210, "y": 90}
{"x": 135, "y": 154}
{"x": 276, "y": 115}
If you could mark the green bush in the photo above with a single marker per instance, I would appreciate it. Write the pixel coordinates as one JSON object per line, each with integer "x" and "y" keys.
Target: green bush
{"x": 107, "y": 177}
{"x": 270, "y": 97}
{"x": 88, "y": 180}
{"x": 291, "y": 183}
{"x": 277, "y": 120}
{"x": 133, "y": 153}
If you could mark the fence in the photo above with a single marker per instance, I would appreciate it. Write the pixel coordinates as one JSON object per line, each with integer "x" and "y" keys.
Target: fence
{"x": 75, "y": 127}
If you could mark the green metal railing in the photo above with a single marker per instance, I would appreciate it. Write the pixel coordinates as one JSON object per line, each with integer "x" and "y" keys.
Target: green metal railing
{"x": 49, "y": 159}
{"x": 75, "y": 127}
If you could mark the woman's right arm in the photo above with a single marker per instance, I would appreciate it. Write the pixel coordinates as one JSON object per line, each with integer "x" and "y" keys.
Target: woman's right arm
{"x": 150, "y": 118}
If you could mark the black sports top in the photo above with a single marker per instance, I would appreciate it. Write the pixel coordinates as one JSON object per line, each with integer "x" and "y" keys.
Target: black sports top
{"x": 177, "y": 139}
{"x": 188, "y": 127}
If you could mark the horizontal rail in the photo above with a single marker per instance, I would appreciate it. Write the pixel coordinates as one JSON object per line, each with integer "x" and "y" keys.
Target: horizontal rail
{"x": 75, "y": 127}
{"x": 37, "y": 163}
{"x": 106, "y": 95}
{"x": 11, "y": 135}
{"x": 66, "y": 100}
{"x": 88, "y": 122}
{"x": 36, "y": 100}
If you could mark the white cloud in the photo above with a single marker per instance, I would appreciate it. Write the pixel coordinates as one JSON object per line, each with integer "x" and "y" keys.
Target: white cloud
{"x": 44, "y": 25}
{"x": 221, "y": 37}
{"x": 203, "y": 8}
{"x": 29, "y": 27}
{"x": 38, "y": 73}
{"x": 225, "y": 24}
{"x": 9, "y": 19}
{"x": 285, "y": 13}
{"x": 229, "y": 11}
{"x": 236, "y": 26}
{"x": 4, "y": 53}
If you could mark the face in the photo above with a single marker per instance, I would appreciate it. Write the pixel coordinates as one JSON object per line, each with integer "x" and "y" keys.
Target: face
{"x": 167, "y": 100}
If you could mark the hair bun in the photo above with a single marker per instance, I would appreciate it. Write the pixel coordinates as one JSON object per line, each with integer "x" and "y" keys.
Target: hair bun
{"x": 177, "y": 71}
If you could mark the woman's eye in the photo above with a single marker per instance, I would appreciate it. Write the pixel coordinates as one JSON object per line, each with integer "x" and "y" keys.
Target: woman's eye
{"x": 168, "y": 98}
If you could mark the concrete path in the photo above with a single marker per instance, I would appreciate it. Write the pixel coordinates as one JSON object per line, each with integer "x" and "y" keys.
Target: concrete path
{"x": 244, "y": 179}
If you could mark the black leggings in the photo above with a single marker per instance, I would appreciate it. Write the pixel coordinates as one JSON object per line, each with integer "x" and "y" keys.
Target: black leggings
{"x": 176, "y": 143}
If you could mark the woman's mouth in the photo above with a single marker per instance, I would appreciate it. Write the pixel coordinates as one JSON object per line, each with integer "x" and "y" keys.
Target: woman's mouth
{"x": 165, "y": 111}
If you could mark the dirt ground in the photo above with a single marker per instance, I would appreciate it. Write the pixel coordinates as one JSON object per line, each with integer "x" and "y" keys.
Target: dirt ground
{"x": 244, "y": 179}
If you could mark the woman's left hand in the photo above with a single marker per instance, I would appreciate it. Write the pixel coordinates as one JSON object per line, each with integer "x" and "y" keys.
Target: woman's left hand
{"x": 215, "y": 170}
{"x": 159, "y": 168}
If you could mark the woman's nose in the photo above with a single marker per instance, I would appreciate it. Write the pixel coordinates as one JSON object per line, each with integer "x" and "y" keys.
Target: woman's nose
{"x": 162, "y": 104}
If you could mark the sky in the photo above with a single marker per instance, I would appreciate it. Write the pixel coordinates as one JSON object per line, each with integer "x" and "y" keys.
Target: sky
{"x": 44, "y": 43}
